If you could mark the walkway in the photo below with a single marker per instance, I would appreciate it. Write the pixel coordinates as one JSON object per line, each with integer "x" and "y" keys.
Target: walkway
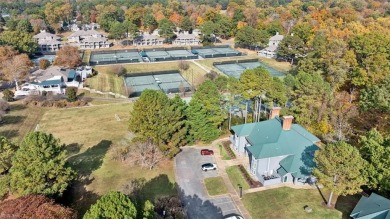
{"x": 234, "y": 194}
{"x": 200, "y": 66}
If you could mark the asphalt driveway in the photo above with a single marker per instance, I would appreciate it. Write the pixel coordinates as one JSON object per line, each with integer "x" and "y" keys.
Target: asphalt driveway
{"x": 189, "y": 177}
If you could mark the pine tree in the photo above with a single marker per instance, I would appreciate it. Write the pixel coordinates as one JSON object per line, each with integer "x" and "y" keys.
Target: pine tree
{"x": 340, "y": 169}
{"x": 204, "y": 113}
{"x": 39, "y": 166}
{"x": 112, "y": 205}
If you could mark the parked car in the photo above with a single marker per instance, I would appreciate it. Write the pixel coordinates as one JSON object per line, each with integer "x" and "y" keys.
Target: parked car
{"x": 233, "y": 216}
{"x": 206, "y": 152}
{"x": 209, "y": 166}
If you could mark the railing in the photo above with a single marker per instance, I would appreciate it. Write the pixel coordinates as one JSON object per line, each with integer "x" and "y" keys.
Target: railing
{"x": 273, "y": 179}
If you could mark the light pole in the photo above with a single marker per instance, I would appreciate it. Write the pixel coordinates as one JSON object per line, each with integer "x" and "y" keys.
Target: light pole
{"x": 240, "y": 188}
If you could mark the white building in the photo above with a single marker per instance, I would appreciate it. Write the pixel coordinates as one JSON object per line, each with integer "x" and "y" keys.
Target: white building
{"x": 47, "y": 42}
{"x": 271, "y": 50}
{"x": 186, "y": 39}
{"x": 54, "y": 79}
{"x": 89, "y": 39}
{"x": 148, "y": 40}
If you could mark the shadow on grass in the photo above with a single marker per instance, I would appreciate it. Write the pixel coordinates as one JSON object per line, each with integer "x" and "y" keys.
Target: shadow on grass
{"x": 17, "y": 107}
{"x": 73, "y": 148}
{"x": 160, "y": 187}
{"x": 10, "y": 133}
{"x": 345, "y": 204}
{"x": 8, "y": 119}
{"x": 84, "y": 164}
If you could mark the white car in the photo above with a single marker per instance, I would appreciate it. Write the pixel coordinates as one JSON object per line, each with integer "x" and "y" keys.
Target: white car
{"x": 233, "y": 216}
{"x": 209, "y": 166}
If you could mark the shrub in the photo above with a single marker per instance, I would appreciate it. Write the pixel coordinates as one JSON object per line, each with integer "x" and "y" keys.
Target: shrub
{"x": 118, "y": 70}
{"x": 226, "y": 145}
{"x": 212, "y": 75}
{"x": 44, "y": 64}
{"x": 71, "y": 94}
{"x": 8, "y": 95}
{"x": 184, "y": 65}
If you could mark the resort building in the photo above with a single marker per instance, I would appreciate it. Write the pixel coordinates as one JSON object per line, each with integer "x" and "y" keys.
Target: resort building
{"x": 47, "y": 42}
{"x": 148, "y": 40}
{"x": 89, "y": 39}
{"x": 186, "y": 40}
{"x": 271, "y": 50}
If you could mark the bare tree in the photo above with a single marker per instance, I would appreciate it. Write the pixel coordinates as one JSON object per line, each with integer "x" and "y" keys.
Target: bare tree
{"x": 183, "y": 65}
{"x": 182, "y": 89}
{"x": 68, "y": 56}
{"x": 118, "y": 70}
{"x": 144, "y": 154}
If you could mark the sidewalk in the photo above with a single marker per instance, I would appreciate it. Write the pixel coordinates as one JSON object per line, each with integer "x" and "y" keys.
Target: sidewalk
{"x": 222, "y": 164}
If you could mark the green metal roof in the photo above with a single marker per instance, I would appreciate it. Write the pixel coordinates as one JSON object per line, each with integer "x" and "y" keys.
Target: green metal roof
{"x": 281, "y": 171}
{"x": 71, "y": 74}
{"x": 374, "y": 206}
{"x": 268, "y": 139}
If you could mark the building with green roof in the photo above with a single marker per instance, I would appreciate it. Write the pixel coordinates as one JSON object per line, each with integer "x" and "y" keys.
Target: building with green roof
{"x": 374, "y": 206}
{"x": 278, "y": 150}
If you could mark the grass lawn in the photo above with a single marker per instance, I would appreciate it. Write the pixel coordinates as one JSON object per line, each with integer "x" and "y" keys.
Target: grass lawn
{"x": 280, "y": 66}
{"x": 287, "y": 203}
{"x": 224, "y": 154}
{"x": 236, "y": 177}
{"x": 20, "y": 120}
{"x": 90, "y": 134}
{"x": 215, "y": 185}
{"x": 106, "y": 82}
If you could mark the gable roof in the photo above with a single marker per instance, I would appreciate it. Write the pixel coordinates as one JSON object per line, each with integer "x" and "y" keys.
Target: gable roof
{"x": 85, "y": 33}
{"x": 44, "y": 34}
{"x": 277, "y": 37}
{"x": 374, "y": 206}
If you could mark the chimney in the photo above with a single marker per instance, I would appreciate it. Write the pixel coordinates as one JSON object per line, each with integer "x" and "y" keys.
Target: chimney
{"x": 277, "y": 33}
{"x": 274, "y": 112}
{"x": 287, "y": 122}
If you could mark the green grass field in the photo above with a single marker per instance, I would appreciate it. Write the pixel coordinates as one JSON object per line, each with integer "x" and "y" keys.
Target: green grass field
{"x": 90, "y": 135}
{"x": 20, "y": 120}
{"x": 224, "y": 154}
{"x": 215, "y": 185}
{"x": 236, "y": 177}
{"x": 287, "y": 203}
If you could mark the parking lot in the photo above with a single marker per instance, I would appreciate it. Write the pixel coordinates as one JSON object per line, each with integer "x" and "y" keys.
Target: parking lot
{"x": 189, "y": 177}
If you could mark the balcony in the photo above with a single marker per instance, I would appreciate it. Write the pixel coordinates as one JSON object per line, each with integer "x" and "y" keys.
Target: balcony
{"x": 271, "y": 179}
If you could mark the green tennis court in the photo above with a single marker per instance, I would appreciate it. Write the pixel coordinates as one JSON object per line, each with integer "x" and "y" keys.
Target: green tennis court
{"x": 236, "y": 69}
{"x": 113, "y": 57}
{"x": 214, "y": 52}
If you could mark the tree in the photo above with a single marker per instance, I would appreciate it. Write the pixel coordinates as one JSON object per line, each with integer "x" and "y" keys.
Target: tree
{"x": 44, "y": 64}
{"x": 156, "y": 118}
{"x": 171, "y": 205}
{"x": 117, "y": 70}
{"x": 340, "y": 169}
{"x": 7, "y": 151}
{"x": 208, "y": 29}
{"x": 148, "y": 210}
{"x": 248, "y": 36}
{"x": 20, "y": 41}
{"x": 112, "y": 205}
{"x": 11, "y": 24}
{"x": 71, "y": 94}
{"x": 376, "y": 97}
{"x": 68, "y": 56}
{"x": 255, "y": 82}
{"x": 291, "y": 48}
{"x": 131, "y": 28}
{"x": 205, "y": 113}
{"x": 376, "y": 150}
{"x": 166, "y": 28}
{"x": 14, "y": 66}
{"x": 150, "y": 22}
{"x": 8, "y": 95}
{"x": 186, "y": 24}
{"x": 224, "y": 28}
{"x": 117, "y": 30}
{"x": 143, "y": 154}
{"x": 24, "y": 26}
{"x": 48, "y": 175}
{"x": 35, "y": 206}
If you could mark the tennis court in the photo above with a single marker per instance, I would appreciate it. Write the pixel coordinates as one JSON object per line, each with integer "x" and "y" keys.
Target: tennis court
{"x": 236, "y": 68}
{"x": 168, "y": 55}
{"x": 168, "y": 82}
{"x": 114, "y": 56}
{"x": 214, "y": 52}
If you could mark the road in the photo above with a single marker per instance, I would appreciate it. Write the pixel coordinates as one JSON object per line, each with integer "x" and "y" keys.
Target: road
{"x": 189, "y": 177}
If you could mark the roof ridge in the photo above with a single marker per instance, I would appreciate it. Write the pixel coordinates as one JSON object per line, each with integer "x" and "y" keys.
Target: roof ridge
{"x": 304, "y": 136}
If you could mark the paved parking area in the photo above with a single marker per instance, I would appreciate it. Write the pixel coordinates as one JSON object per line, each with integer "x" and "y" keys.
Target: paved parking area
{"x": 189, "y": 177}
